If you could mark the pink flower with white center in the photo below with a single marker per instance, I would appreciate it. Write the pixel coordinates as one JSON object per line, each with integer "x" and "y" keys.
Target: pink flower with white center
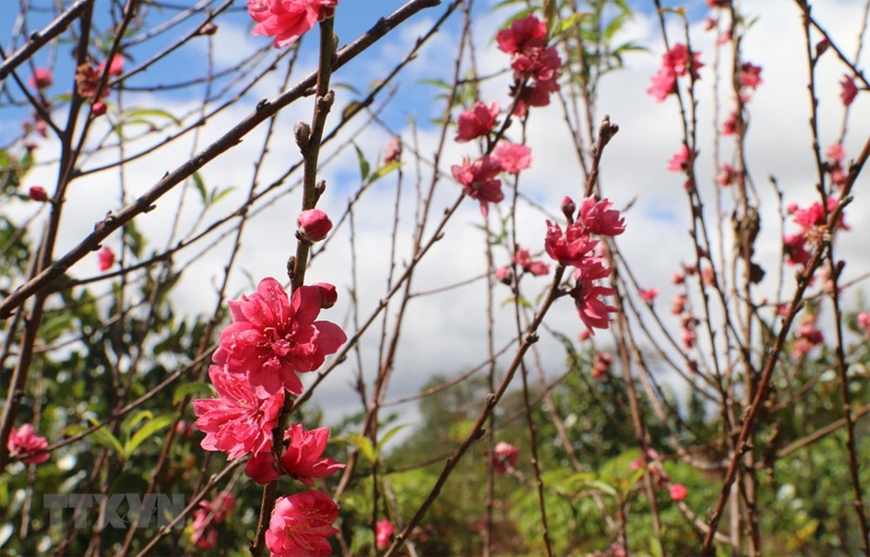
{"x": 512, "y": 158}
{"x": 835, "y": 152}
{"x": 24, "y": 441}
{"x": 37, "y": 193}
{"x": 476, "y": 121}
{"x": 42, "y": 78}
{"x": 313, "y": 224}
{"x": 648, "y": 294}
{"x": 384, "y": 530}
{"x": 287, "y": 20}
{"x": 599, "y": 218}
{"x": 864, "y": 321}
{"x": 479, "y": 180}
{"x": 504, "y": 457}
{"x": 750, "y": 75}
{"x": 301, "y": 524}
{"x": 848, "y": 90}
{"x": 678, "y": 492}
{"x": 594, "y": 313}
{"x": 680, "y": 161}
{"x": 272, "y": 338}
{"x": 238, "y": 422}
{"x": 105, "y": 259}
{"x": 573, "y": 247}
{"x": 302, "y": 458}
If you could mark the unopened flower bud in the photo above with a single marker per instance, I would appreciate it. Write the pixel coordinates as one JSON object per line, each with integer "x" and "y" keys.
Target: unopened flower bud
{"x": 314, "y": 225}
{"x": 98, "y": 108}
{"x": 208, "y": 29}
{"x": 37, "y": 193}
{"x": 328, "y": 294}
{"x": 302, "y": 131}
{"x": 569, "y": 208}
{"x": 504, "y": 275}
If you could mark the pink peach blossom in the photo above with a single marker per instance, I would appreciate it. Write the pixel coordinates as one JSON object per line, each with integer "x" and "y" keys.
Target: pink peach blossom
{"x": 599, "y": 218}
{"x": 42, "y": 78}
{"x": 301, "y": 524}
{"x": 524, "y": 34}
{"x": 680, "y": 160}
{"x": 593, "y": 312}
{"x": 648, "y": 294}
{"x": 504, "y": 275}
{"x": 572, "y": 247}
{"x": 287, "y": 20}
{"x": 864, "y": 321}
{"x": 272, "y": 338}
{"x": 476, "y": 121}
{"x": 479, "y": 180}
{"x": 302, "y": 458}
{"x": 238, "y": 422}
{"x": 393, "y": 151}
{"x": 512, "y": 157}
{"x": 384, "y": 530}
{"x": 24, "y": 440}
{"x": 835, "y": 152}
{"x": 504, "y": 457}
{"x": 848, "y": 90}
{"x": 750, "y": 75}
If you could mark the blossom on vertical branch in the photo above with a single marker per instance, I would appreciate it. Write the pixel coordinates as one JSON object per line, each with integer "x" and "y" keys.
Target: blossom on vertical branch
{"x": 533, "y": 62}
{"x": 301, "y": 524}
{"x": 675, "y": 63}
{"x": 287, "y": 20}
{"x": 238, "y": 422}
{"x": 575, "y": 247}
{"x": 848, "y": 90}
{"x": 272, "y": 337}
{"x": 504, "y": 457}
{"x": 105, "y": 259}
{"x": 384, "y": 531}
{"x": 479, "y": 178}
{"x": 477, "y": 121}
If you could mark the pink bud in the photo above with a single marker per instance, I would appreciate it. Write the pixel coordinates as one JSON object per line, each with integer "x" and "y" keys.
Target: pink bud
{"x": 569, "y": 208}
{"x": 678, "y": 491}
{"x": 106, "y": 259}
{"x": 328, "y": 294}
{"x": 314, "y": 225}
{"x": 504, "y": 275}
{"x": 98, "y": 108}
{"x": 37, "y": 193}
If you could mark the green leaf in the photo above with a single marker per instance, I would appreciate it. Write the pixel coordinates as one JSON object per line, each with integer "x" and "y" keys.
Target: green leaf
{"x": 133, "y": 420}
{"x": 383, "y": 171}
{"x": 363, "y": 163}
{"x": 145, "y": 432}
{"x": 389, "y": 435}
{"x": 195, "y": 387}
{"x": 218, "y": 194}
{"x": 570, "y": 21}
{"x": 54, "y": 326}
{"x": 200, "y": 187}
{"x": 363, "y": 444}
{"x": 143, "y": 113}
{"x": 105, "y": 438}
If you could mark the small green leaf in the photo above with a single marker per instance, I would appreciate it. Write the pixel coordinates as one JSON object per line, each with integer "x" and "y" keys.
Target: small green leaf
{"x": 363, "y": 163}
{"x": 144, "y": 112}
{"x": 363, "y": 444}
{"x": 200, "y": 187}
{"x": 389, "y": 435}
{"x": 133, "y": 420}
{"x": 383, "y": 171}
{"x": 195, "y": 387}
{"x": 105, "y": 438}
{"x": 145, "y": 432}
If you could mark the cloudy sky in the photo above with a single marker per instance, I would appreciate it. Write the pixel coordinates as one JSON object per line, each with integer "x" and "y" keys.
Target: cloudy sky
{"x": 445, "y": 333}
